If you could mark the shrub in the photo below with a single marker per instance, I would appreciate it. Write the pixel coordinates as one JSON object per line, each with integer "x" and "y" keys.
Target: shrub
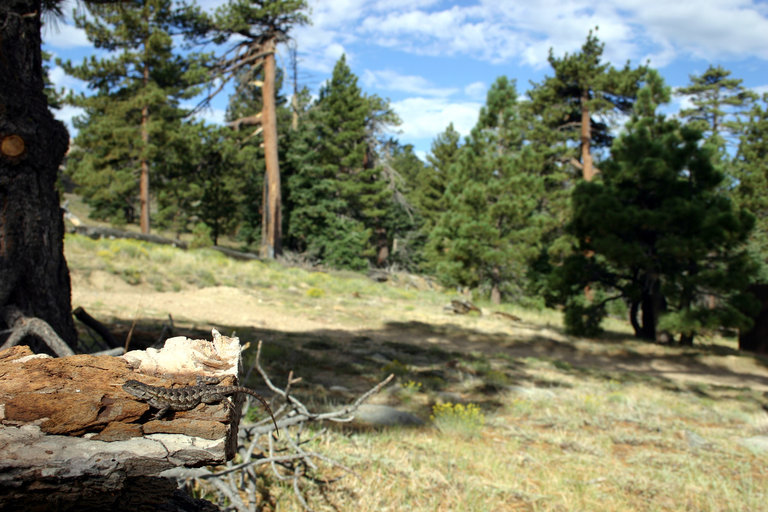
{"x": 458, "y": 419}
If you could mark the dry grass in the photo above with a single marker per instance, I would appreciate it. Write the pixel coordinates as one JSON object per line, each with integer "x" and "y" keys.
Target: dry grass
{"x": 569, "y": 424}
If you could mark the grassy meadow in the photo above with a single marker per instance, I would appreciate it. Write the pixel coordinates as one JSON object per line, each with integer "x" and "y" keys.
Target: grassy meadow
{"x": 517, "y": 415}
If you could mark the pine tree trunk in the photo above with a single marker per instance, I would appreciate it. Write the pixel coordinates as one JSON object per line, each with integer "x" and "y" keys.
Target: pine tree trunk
{"x": 495, "y": 290}
{"x": 271, "y": 236}
{"x": 652, "y": 305}
{"x": 33, "y": 271}
{"x": 634, "y": 309}
{"x": 144, "y": 177}
{"x": 586, "y": 138}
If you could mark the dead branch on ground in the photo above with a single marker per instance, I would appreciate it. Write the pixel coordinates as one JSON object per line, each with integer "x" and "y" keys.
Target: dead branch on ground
{"x": 21, "y": 326}
{"x": 286, "y": 456}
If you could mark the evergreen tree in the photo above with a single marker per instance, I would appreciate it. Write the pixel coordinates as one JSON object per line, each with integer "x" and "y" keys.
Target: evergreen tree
{"x": 400, "y": 168}
{"x": 256, "y": 28}
{"x": 718, "y": 102}
{"x": 578, "y": 102}
{"x": 658, "y": 231}
{"x": 751, "y": 173}
{"x": 208, "y": 162}
{"x": 137, "y": 89}
{"x": 428, "y": 192}
{"x": 33, "y": 270}
{"x": 338, "y": 194}
{"x": 489, "y": 233}
{"x": 250, "y": 156}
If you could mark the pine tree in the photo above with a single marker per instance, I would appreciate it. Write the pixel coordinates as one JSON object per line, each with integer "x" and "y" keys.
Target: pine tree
{"x": 338, "y": 194}
{"x": 658, "y": 231}
{"x": 583, "y": 93}
{"x": 258, "y": 28}
{"x": 400, "y": 168}
{"x": 137, "y": 89}
{"x": 249, "y": 156}
{"x": 751, "y": 172}
{"x": 489, "y": 233}
{"x": 428, "y": 194}
{"x": 718, "y": 102}
{"x": 33, "y": 271}
{"x": 208, "y": 161}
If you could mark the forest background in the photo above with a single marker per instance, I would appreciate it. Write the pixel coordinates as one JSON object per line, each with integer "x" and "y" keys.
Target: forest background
{"x": 578, "y": 191}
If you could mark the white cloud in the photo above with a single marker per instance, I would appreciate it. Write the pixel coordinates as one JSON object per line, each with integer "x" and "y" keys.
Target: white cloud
{"x": 413, "y": 84}
{"x": 524, "y": 31}
{"x": 760, "y": 90}
{"x": 64, "y": 35}
{"x": 62, "y": 80}
{"x": 476, "y": 90}
{"x": 424, "y": 118}
{"x": 65, "y": 115}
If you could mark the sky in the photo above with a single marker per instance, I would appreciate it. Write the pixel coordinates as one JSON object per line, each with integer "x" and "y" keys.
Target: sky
{"x": 434, "y": 60}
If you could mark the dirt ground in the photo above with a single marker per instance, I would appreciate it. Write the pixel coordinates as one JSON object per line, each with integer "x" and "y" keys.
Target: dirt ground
{"x": 383, "y": 324}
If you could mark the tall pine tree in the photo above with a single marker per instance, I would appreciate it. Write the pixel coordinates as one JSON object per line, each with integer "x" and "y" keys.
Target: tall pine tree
{"x": 339, "y": 197}
{"x": 718, "y": 102}
{"x": 136, "y": 88}
{"x": 658, "y": 231}
{"x": 488, "y": 235}
{"x": 581, "y": 99}
{"x": 255, "y": 29}
{"x": 750, "y": 168}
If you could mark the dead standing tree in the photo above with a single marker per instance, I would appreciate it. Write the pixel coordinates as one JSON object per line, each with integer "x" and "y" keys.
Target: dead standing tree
{"x": 258, "y": 26}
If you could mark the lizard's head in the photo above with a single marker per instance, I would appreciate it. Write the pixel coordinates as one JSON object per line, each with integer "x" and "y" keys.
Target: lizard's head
{"x": 136, "y": 388}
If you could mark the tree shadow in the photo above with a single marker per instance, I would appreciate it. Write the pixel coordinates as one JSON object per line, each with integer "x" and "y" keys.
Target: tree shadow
{"x": 452, "y": 361}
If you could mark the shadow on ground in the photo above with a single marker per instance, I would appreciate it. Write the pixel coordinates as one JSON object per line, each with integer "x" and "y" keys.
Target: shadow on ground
{"x": 455, "y": 361}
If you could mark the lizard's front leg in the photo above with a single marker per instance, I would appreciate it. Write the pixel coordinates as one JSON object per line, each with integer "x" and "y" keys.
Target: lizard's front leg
{"x": 162, "y": 408}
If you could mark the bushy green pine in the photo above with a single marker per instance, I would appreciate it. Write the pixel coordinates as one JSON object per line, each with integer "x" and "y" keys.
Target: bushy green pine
{"x": 489, "y": 232}
{"x": 750, "y": 169}
{"x": 338, "y": 196}
{"x": 208, "y": 162}
{"x": 718, "y": 102}
{"x": 658, "y": 231}
{"x": 584, "y": 87}
{"x": 428, "y": 192}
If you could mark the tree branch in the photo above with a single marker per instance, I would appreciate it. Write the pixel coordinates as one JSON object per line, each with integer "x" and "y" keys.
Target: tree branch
{"x": 288, "y": 460}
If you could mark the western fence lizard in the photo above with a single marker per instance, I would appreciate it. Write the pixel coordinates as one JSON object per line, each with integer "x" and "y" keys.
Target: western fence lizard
{"x": 189, "y": 397}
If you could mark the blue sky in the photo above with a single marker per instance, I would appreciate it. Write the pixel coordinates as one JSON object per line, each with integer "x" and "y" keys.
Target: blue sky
{"x": 436, "y": 59}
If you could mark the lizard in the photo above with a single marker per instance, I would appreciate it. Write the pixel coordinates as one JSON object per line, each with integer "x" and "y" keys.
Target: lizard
{"x": 189, "y": 397}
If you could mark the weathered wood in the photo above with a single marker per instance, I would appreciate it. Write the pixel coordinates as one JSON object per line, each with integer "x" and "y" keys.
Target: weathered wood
{"x": 23, "y": 327}
{"x": 97, "y": 232}
{"x": 68, "y": 430}
{"x": 97, "y": 326}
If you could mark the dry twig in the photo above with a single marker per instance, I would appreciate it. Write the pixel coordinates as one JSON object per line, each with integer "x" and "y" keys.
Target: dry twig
{"x": 287, "y": 456}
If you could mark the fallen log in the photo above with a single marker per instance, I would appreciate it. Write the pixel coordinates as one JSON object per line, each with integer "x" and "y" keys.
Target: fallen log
{"x": 70, "y": 435}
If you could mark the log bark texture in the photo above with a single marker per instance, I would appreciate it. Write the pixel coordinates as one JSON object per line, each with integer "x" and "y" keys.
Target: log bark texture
{"x": 69, "y": 433}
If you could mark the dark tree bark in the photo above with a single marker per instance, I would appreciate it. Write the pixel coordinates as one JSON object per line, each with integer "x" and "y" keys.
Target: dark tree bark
{"x": 144, "y": 176}
{"x": 634, "y": 309}
{"x": 652, "y": 305}
{"x": 756, "y": 338}
{"x": 33, "y": 272}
